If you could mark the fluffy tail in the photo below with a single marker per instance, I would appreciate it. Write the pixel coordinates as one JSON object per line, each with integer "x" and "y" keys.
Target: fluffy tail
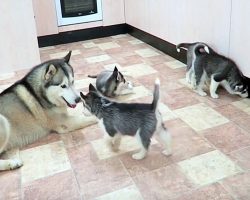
{"x": 92, "y": 76}
{"x": 156, "y": 94}
{"x": 183, "y": 46}
{"x": 202, "y": 46}
{"x": 4, "y": 132}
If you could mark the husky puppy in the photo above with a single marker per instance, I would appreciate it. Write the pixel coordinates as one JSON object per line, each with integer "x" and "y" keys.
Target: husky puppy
{"x": 221, "y": 71}
{"x": 191, "y": 56}
{"x": 36, "y": 105}
{"x": 112, "y": 83}
{"x": 134, "y": 119}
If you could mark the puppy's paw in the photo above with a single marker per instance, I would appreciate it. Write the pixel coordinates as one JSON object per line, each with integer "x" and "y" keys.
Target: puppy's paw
{"x": 138, "y": 156}
{"x": 215, "y": 96}
{"x": 15, "y": 163}
{"x": 166, "y": 153}
{"x": 202, "y": 93}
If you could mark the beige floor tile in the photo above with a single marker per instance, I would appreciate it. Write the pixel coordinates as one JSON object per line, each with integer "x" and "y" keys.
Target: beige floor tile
{"x": 138, "y": 70}
{"x": 4, "y": 76}
{"x": 135, "y": 42}
{"x": 208, "y": 168}
{"x": 88, "y": 45}
{"x": 146, "y": 53}
{"x": 243, "y": 105}
{"x": 138, "y": 92}
{"x": 128, "y": 193}
{"x": 47, "y": 48}
{"x": 112, "y": 66}
{"x": 64, "y": 53}
{"x": 175, "y": 64}
{"x": 43, "y": 161}
{"x": 3, "y": 87}
{"x": 200, "y": 117}
{"x": 83, "y": 83}
{"x": 127, "y": 144}
{"x": 166, "y": 112}
{"x": 96, "y": 59}
{"x": 108, "y": 45}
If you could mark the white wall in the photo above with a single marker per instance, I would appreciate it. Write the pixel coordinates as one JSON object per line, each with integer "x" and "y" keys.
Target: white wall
{"x": 221, "y": 23}
{"x": 18, "y": 41}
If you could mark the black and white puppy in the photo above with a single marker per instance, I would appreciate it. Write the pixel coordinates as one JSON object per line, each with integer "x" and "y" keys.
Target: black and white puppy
{"x": 220, "y": 70}
{"x": 112, "y": 83}
{"x": 133, "y": 119}
{"x": 191, "y": 56}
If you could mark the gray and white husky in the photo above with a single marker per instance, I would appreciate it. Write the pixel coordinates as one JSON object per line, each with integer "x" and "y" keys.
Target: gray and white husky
{"x": 133, "y": 119}
{"x": 112, "y": 83}
{"x": 191, "y": 56}
{"x": 220, "y": 70}
{"x": 36, "y": 105}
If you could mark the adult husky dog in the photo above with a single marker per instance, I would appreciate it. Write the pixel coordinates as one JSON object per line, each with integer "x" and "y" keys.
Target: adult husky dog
{"x": 37, "y": 105}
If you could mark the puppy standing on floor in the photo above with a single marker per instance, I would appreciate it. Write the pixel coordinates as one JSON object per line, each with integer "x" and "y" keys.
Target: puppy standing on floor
{"x": 134, "y": 119}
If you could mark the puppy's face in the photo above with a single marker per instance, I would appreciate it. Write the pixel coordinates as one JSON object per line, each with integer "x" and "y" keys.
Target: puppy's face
{"x": 91, "y": 98}
{"x": 241, "y": 90}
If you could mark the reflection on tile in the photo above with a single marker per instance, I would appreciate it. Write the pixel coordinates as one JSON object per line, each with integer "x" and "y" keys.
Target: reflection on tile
{"x": 228, "y": 137}
{"x": 96, "y": 59}
{"x": 108, "y": 45}
{"x": 146, "y": 53}
{"x": 211, "y": 192}
{"x": 200, "y": 117}
{"x": 134, "y": 42}
{"x": 119, "y": 36}
{"x": 208, "y": 168}
{"x": 167, "y": 114}
{"x": 127, "y": 144}
{"x": 89, "y": 44}
{"x": 243, "y": 105}
{"x": 138, "y": 70}
{"x": 59, "y": 186}
{"x": 127, "y": 193}
{"x": 138, "y": 92}
{"x": 242, "y": 158}
{"x": 165, "y": 183}
{"x": 64, "y": 53}
{"x": 175, "y": 64}
{"x": 42, "y": 161}
{"x": 238, "y": 186}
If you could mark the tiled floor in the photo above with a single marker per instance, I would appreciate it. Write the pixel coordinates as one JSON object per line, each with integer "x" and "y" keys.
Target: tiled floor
{"x": 211, "y": 137}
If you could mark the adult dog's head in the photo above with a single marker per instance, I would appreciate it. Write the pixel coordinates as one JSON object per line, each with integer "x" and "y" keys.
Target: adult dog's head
{"x": 53, "y": 83}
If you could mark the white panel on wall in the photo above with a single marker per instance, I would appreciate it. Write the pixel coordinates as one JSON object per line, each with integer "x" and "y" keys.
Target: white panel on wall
{"x": 240, "y": 32}
{"x": 19, "y": 47}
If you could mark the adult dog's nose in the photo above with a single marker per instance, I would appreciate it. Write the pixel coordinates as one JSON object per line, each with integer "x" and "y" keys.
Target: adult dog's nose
{"x": 78, "y": 99}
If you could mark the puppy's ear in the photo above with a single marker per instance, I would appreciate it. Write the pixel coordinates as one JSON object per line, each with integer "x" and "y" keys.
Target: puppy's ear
{"x": 50, "y": 72}
{"x": 92, "y": 88}
{"x": 116, "y": 74}
{"x": 83, "y": 96}
{"x": 67, "y": 57}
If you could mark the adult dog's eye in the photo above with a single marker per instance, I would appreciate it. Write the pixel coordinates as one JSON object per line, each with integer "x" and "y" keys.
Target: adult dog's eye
{"x": 63, "y": 86}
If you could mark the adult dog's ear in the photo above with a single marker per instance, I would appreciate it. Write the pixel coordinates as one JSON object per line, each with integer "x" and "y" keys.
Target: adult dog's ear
{"x": 92, "y": 88}
{"x": 50, "y": 72}
{"x": 67, "y": 57}
{"x": 83, "y": 96}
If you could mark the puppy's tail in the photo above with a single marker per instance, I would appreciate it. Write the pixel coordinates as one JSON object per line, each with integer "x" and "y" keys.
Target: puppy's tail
{"x": 183, "y": 46}
{"x": 202, "y": 48}
{"x": 156, "y": 95}
{"x": 92, "y": 76}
